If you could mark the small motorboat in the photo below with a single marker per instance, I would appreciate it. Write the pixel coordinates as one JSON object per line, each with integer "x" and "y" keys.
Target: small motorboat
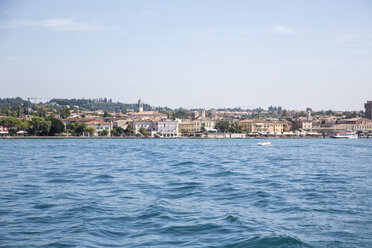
{"x": 264, "y": 143}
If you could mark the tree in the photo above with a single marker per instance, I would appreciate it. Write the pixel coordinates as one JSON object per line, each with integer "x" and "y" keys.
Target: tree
{"x": 128, "y": 131}
{"x": 203, "y": 128}
{"x": 114, "y": 132}
{"x": 235, "y": 128}
{"x": 80, "y": 128}
{"x": 120, "y": 131}
{"x": 44, "y": 128}
{"x": 106, "y": 114}
{"x": 180, "y": 113}
{"x": 329, "y": 112}
{"x": 77, "y": 128}
{"x": 35, "y": 125}
{"x": 285, "y": 113}
{"x": 91, "y": 131}
{"x": 143, "y": 131}
{"x": 56, "y": 127}
{"x": 104, "y": 132}
{"x": 14, "y": 124}
{"x": 65, "y": 113}
{"x": 223, "y": 126}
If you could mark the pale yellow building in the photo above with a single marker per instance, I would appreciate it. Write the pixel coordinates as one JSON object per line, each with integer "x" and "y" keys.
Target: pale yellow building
{"x": 189, "y": 126}
{"x": 261, "y": 126}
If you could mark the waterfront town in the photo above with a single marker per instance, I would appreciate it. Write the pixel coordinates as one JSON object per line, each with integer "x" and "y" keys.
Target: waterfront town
{"x": 62, "y": 120}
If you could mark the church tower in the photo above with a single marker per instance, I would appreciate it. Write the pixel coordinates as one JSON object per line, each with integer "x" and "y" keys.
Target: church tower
{"x": 140, "y": 105}
{"x": 309, "y": 115}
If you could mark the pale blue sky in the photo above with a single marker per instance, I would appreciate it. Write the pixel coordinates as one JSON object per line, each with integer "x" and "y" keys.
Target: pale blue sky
{"x": 191, "y": 53}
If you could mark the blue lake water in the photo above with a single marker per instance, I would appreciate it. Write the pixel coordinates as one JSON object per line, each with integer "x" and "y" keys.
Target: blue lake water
{"x": 185, "y": 193}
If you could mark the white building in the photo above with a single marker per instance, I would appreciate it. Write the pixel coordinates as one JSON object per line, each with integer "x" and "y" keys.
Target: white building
{"x": 149, "y": 125}
{"x": 168, "y": 128}
{"x": 99, "y": 126}
{"x": 161, "y": 127}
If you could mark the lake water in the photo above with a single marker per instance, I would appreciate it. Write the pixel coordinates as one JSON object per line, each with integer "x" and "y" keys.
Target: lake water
{"x": 185, "y": 193}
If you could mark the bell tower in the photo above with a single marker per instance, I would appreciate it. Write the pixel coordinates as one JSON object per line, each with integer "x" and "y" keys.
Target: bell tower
{"x": 140, "y": 105}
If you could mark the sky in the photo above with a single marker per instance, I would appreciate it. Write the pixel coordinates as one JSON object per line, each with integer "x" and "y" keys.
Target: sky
{"x": 191, "y": 53}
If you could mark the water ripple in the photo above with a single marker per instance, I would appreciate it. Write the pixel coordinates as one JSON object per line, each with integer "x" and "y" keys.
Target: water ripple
{"x": 185, "y": 193}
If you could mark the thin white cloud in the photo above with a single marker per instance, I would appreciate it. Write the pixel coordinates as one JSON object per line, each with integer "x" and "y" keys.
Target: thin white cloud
{"x": 281, "y": 29}
{"x": 59, "y": 24}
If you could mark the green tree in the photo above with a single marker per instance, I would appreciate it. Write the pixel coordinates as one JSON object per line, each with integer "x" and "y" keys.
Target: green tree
{"x": 143, "y": 131}
{"x": 80, "y": 128}
{"x": 77, "y": 128}
{"x": 223, "y": 126}
{"x": 14, "y": 124}
{"x": 235, "y": 128}
{"x": 56, "y": 127}
{"x": 65, "y": 113}
{"x": 106, "y": 114}
{"x": 203, "y": 128}
{"x": 44, "y": 128}
{"x": 91, "y": 131}
{"x": 114, "y": 132}
{"x": 128, "y": 131}
{"x": 104, "y": 132}
{"x": 35, "y": 125}
{"x": 120, "y": 131}
{"x": 284, "y": 113}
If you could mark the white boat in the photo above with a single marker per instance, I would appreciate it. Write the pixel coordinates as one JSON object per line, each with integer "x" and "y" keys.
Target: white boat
{"x": 264, "y": 143}
{"x": 345, "y": 135}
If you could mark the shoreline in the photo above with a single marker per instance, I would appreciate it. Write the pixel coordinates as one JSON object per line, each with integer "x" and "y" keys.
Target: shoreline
{"x": 83, "y": 137}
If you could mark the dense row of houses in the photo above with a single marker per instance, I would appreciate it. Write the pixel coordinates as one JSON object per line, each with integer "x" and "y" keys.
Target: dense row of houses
{"x": 156, "y": 124}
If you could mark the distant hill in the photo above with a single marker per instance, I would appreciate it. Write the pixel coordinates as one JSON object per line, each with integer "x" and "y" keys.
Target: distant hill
{"x": 15, "y": 102}
{"x": 96, "y": 104}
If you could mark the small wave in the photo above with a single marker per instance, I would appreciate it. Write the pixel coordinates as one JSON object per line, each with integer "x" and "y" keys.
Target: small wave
{"x": 232, "y": 219}
{"x": 191, "y": 229}
{"x": 183, "y": 163}
{"x": 43, "y": 206}
{"x": 277, "y": 242}
{"x": 262, "y": 194}
{"x": 58, "y": 157}
{"x": 103, "y": 176}
{"x": 60, "y": 181}
{"x": 222, "y": 174}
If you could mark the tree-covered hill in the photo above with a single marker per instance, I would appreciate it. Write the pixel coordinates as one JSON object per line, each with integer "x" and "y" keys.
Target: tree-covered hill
{"x": 97, "y": 104}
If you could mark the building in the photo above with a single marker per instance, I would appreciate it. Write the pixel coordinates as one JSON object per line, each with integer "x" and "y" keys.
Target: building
{"x": 303, "y": 123}
{"x": 261, "y": 126}
{"x": 75, "y": 119}
{"x": 354, "y": 121}
{"x": 368, "y": 107}
{"x": 99, "y": 126}
{"x": 213, "y": 114}
{"x": 148, "y": 115}
{"x": 157, "y": 127}
{"x": 140, "y": 106}
{"x": 189, "y": 126}
{"x": 4, "y": 130}
{"x": 195, "y": 114}
{"x": 208, "y": 124}
{"x": 149, "y": 125}
{"x": 354, "y": 124}
{"x": 168, "y": 128}
{"x": 120, "y": 123}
